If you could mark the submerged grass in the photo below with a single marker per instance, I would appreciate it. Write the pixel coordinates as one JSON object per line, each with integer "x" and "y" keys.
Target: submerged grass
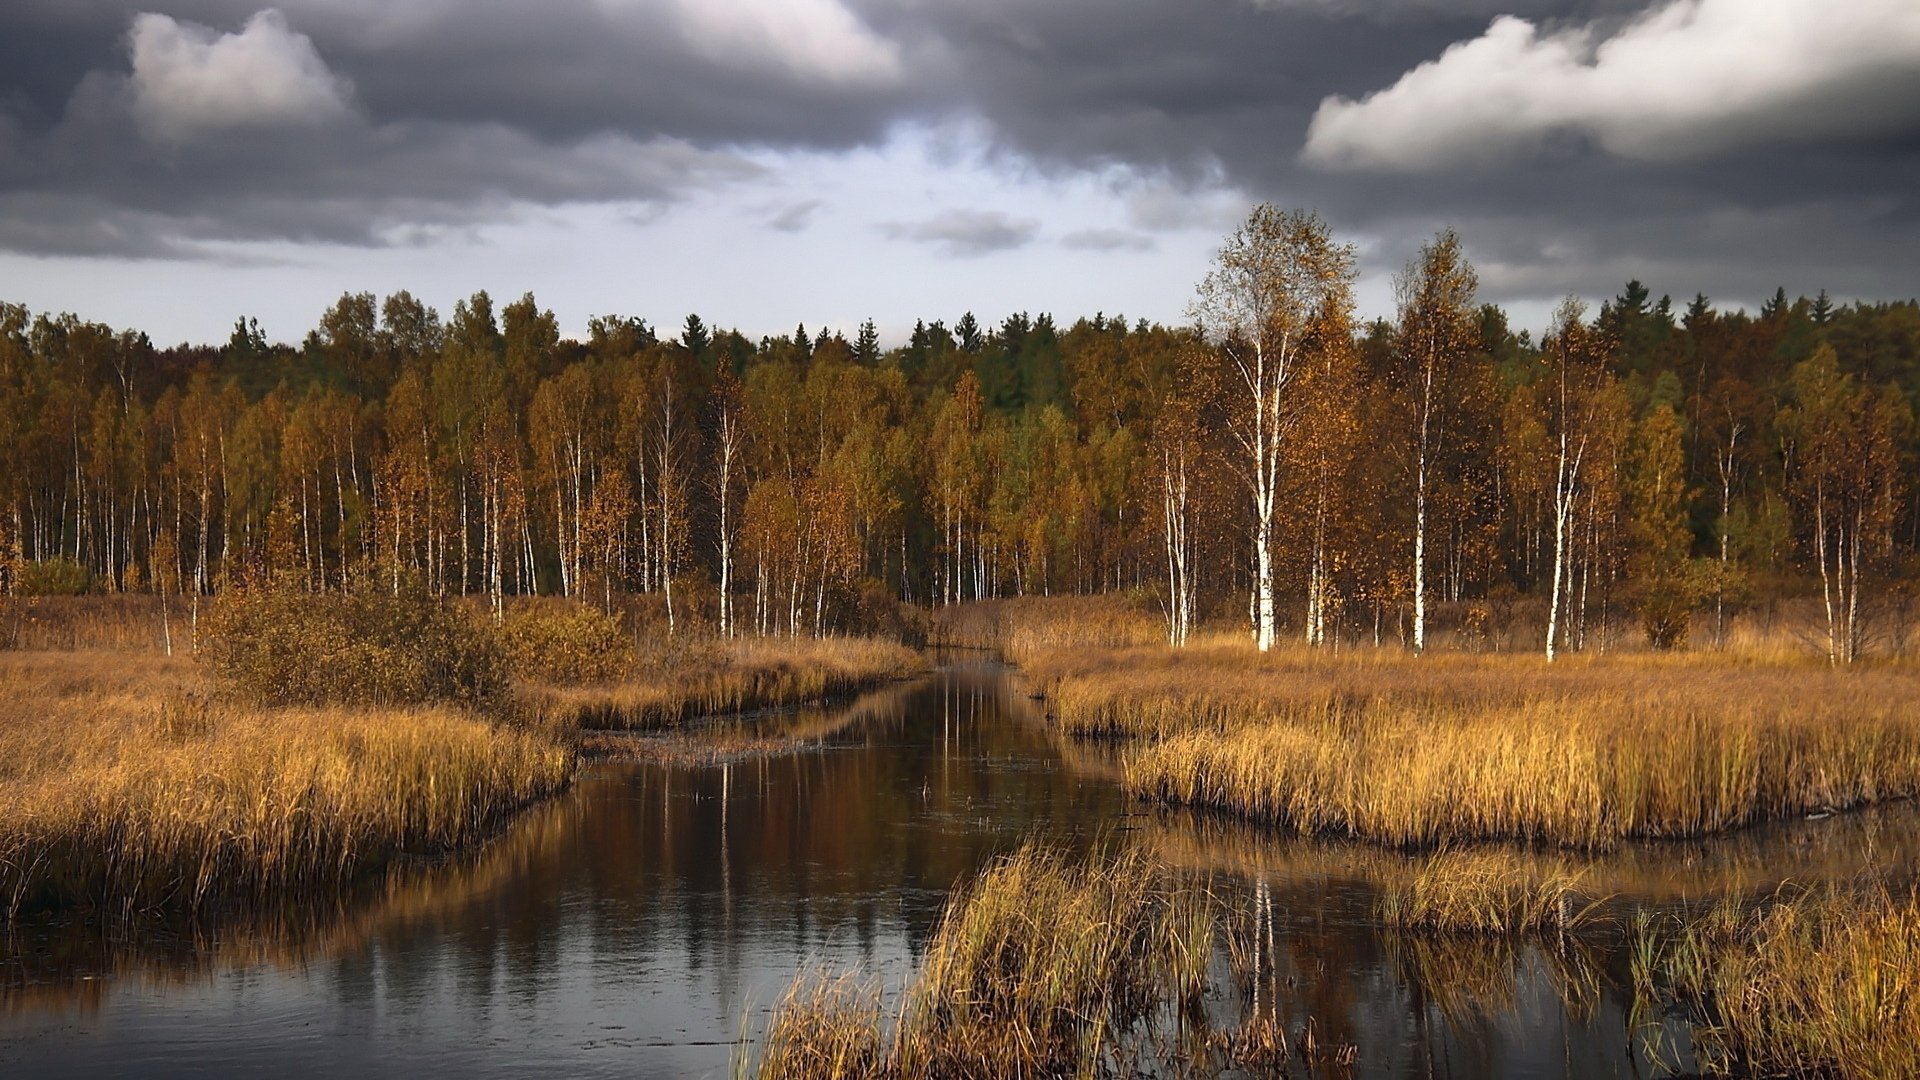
{"x": 1820, "y": 984}
{"x": 1423, "y": 751}
{"x": 127, "y": 790}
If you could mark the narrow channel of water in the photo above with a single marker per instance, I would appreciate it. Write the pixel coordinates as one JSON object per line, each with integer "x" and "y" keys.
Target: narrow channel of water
{"x": 639, "y": 925}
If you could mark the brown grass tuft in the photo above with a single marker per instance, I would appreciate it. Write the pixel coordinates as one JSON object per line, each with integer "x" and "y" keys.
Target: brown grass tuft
{"x": 1819, "y": 984}
{"x": 1043, "y": 966}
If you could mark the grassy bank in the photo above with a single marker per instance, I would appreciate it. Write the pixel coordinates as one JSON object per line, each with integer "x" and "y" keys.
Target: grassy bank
{"x": 1417, "y": 751}
{"x": 316, "y": 739}
{"x": 1818, "y": 984}
{"x": 667, "y": 687}
{"x": 127, "y": 790}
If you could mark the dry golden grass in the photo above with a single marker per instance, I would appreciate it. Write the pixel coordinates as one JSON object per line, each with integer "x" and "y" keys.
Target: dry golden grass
{"x": 1418, "y": 751}
{"x": 1489, "y": 891}
{"x": 1042, "y": 966}
{"x": 1820, "y": 984}
{"x": 123, "y": 621}
{"x": 676, "y": 684}
{"x": 1028, "y": 626}
{"x": 126, "y": 789}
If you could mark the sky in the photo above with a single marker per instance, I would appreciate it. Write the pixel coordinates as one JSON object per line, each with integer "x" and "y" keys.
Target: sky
{"x": 175, "y": 164}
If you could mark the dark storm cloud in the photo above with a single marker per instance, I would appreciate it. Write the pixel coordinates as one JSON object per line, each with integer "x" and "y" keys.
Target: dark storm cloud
{"x": 1564, "y": 166}
{"x": 1674, "y": 183}
{"x": 146, "y": 134}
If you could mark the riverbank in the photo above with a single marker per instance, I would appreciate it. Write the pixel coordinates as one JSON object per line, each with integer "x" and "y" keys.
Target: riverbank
{"x": 667, "y": 688}
{"x": 128, "y": 789}
{"x": 138, "y": 784}
{"x": 1416, "y": 751}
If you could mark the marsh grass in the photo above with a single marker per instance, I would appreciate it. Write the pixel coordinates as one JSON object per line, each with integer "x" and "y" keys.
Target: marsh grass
{"x": 1026, "y": 627}
{"x": 1490, "y": 891}
{"x": 124, "y": 621}
{"x": 1817, "y": 983}
{"x": 721, "y": 678}
{"x": 1423, "y": 751}
{"x": 129, "y": 790}
{"x": 1042, "y": 966}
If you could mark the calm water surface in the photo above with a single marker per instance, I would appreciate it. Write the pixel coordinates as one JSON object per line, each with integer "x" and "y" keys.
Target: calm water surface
{"x": 643, "y": 923}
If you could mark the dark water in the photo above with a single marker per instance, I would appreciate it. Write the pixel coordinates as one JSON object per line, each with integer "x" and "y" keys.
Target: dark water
{"x": 642, "y": 924}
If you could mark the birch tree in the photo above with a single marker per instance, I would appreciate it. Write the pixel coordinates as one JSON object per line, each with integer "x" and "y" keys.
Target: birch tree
{"x": 1437, "y": 333}
{"x": 1574, "y": 355}
{"x": 1845, "y": 473}
{"x": 1280, "y": 291}
{"x": 729, "y": 433}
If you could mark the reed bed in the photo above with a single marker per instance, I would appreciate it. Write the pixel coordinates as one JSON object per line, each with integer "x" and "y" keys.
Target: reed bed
{"x": 1027, "y": 627}
{"x": 1422, "y": 751}
{"x": 1820, "y": 984}
{"x": 128, "y": 790}
{"x": 1042, "y": 966}
{"x": 725, "y": 678}
{"x": 1489, "y": 891}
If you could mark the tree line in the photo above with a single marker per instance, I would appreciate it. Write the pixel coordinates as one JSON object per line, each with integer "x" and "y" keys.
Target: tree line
{"x": 1275, "y": 462}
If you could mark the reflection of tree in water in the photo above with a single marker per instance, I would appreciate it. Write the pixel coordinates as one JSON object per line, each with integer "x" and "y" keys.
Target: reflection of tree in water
{"x": 731, "y": 874}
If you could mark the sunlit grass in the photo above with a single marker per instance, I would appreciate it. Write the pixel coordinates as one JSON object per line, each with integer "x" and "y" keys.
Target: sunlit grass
{"x": 1489, "y": 891}
{"x": 1416, "y": 751}
{"x": 1042, "y": 966}
{"x": 127, "y": 790}
{"x": 1823, "y": 983}
{"x": 726, "y": 678}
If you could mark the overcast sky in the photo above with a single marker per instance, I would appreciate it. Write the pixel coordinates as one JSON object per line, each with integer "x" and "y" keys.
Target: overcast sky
{"x": 175, "y": 164}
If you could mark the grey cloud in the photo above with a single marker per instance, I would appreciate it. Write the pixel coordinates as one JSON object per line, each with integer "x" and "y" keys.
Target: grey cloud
{"x": 460, "y": 111}
{"x": 967, "y": 233}
{"x": 1108, "y": 240}
{"x": 795, "y": 217}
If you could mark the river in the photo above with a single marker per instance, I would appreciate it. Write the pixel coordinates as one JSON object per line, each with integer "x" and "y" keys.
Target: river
{"x": 644, "y": 923}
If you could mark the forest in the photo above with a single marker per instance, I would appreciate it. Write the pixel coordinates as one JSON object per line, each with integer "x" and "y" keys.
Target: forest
{"x": 1649, "y": 470}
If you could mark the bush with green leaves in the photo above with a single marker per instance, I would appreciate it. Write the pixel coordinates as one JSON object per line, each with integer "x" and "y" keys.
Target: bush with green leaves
{"x": 58, "y": 576}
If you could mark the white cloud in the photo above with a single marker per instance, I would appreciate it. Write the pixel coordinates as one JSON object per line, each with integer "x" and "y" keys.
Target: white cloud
{"x": 817, "y": 39}
{"x": 1687, "y": 79}
{"x": 190, "y": 80}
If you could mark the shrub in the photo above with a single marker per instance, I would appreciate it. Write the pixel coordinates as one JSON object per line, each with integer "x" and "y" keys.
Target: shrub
{"x": 284, "y": 646}
{"x": 59, "y": 576}
{"x": 565, "y": 643}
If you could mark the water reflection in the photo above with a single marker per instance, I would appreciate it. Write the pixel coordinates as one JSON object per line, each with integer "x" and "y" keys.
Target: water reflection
{"x": 639, "y": 924}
